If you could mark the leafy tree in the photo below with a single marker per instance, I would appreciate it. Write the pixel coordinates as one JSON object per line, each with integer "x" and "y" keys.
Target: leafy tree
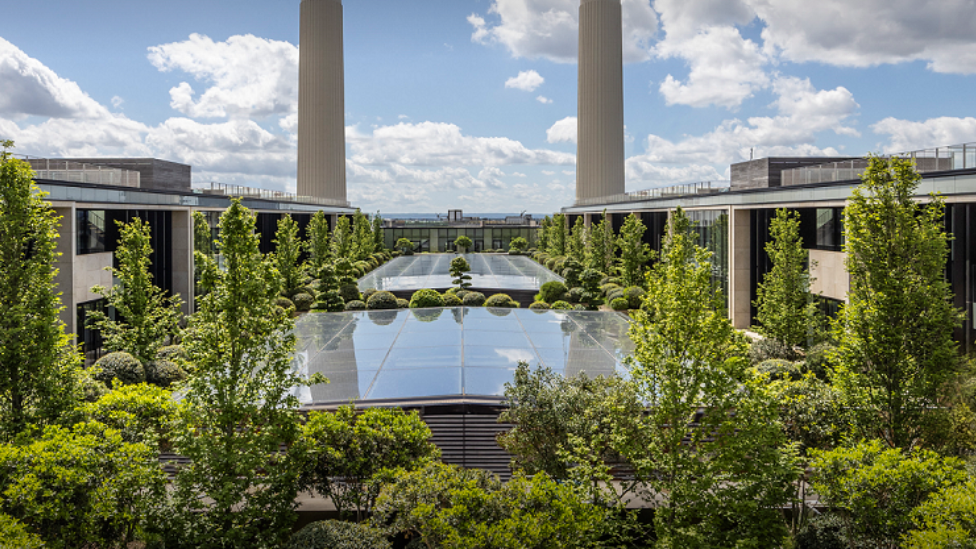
{"x": 319, "y": 247}
{"x": 346, "y": 455}
{"x": 146, "y": 318}
{"x": 202, "y": 235}
{"x": 557, "y": 235}
{"x": 459, "y": 270}
{"x": 577, "y": 238}
{"x": 785, "y": 308}
{"x": 542, "y": 240}
{"x": 140, "y": 412}
{"x": 363, "y": 243}
{"x": 238, "y": 408}
{"x": 327, "y": 298}
{"x": 288, "y": 253}
{"x": 712, "y": 447}
{"x": 38, "y": 363}
{"x": 342, "y": 239}
{"x": 404, "y": 245}
{"x": 895, "y": 345}
{"x": 463, "y": 243}
{"x": 946, "y": 519}
{"x": 600, "y": 247}
{"x": 518, "y": 245}
{"x": 379, "y": 243}
{"x": 634, "y": 254}
{"x": 592, "y": 296}
{"x": 13, "y": 535}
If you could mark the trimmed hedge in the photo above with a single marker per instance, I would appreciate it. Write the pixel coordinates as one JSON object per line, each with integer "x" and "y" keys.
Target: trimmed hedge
{"x": 368, "y": 293}
{"x": 574, "y": 295}
{"x": 122, "y": 366}
{"x": 426, "y": 298}
{"x": 381, "y": 300}
{"x": 349, "y": 292}
{"x": 539, "y": 306}
{"x": 355, "y": 305}
{"x": 285, "y": 303}
{"x": 163, "y": 373}
{"x": 303, "y": 302}
{"x": 402, "y": 303}
{"x": 561, "y": 306}
{"x": 501, "y": 300}
{"x": 336, "y": 534}
{"x": 452, "y": 300}
{"x": 768, "y": 349}
{"x": 634, "y": 296}
{"x": 473, "y": 299}
{"x": 551, "y": 292}
{"x": 172, "y": 353}
{"x": 619, "y": 304}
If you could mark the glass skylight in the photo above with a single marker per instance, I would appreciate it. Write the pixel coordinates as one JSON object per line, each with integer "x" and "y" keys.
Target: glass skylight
{"x": 433, "y": 271}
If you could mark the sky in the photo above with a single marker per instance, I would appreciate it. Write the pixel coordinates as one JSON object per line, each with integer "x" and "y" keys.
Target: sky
{"x": 471, "y": 104}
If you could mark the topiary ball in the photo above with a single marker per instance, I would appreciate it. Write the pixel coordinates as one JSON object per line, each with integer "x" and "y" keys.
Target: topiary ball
{"x": 303, "y": 302}
{"x": 285, "y": 303}
{"x": 539, "y": 306}
{"x": 355, "y": 305}
{"x": 574, "y": 295}
{"x": 164, "y": 373}
{"x": 552, "y": 291}
{"x": 381, "y": 300}
{"x": 501, "y": 300}
{"x": 368, "y": 293}
{"x": 779, "y": 369}
{"x": 473, "y": 299}
{"x": 619, "y": 304}
{"x": 422, "y": 299}
{"x": 580, "y": 308}
{"x": 122, "y": 366}
{"x": 561, "y": 306}
{"x": 768, "y": 349}
{"x": 452, "y": 300}
{"x": 305, "y": 289}
{"x": 634, "y": 296}
{"x": 462, "y": 293}
{"x": 337, "y": 534}
{"x": 172, "y": 353}
{"x": 349, "y": 292}
{"x": 402, "y": 303}
{"x": 616, "y": 294}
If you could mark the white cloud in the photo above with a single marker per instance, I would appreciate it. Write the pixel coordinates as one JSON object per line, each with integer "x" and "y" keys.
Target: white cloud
{"x": 31, "y": 88}
{"x": 549, "y": 28}
{"x": 563, "y": 131}
{"x": 906, "y": 135}
{"x": 544, "y": 100}
{"x": 117, "y": 102}
{"x": 247, "y": 76}
{"x": 526, "y": 81}
{"x": 569, "y": 172}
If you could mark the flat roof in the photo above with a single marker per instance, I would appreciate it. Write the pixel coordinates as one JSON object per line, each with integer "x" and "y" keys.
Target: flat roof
{"x": 415, "y": 272}
{"x": 450, "y": 352}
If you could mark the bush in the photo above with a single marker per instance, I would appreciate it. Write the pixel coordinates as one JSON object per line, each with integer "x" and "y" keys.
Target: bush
{"x": 769, "y": 349}
{"x": 336, "y": 534}
{"x": 13, "y": 535}
{"x": 355, "y": 305}
{"x": 551, "y": 263}
{"x": 561, "y": 306}
{"x": 422, "y": 299}
{"x": 122, "y": 366}
{"x": 91, "y": 388}
{"x": 172, "y": 353}
{"x": 608, "y": 287}
{"x": 947, "y": 519}
{"x": 616, "y": 294}
{"x": 634, "y": 296}
{"x": 473, "y": 299}
{"x": 368, "y": 293}
{"x": 818, "y": 359}
{"x": 575, "y": 295}
{"x": 452, "y": 300}
{"x": 779, "y": 369}
{"x": 140, "y": 413}
{"x": 551, "y": 292}
{"x": 619, "y": 304}
{"x": 381, "y": 300}
{"x": 539, "y": 306}
{"x": 303, "y": 302}
{"x": 163, "y": 373}
{"x": 306, "y": 289}
{"x": 580, "y": 308}
{"x": 822, "y": 532}
{"x": 402, "y": 303}
{"x": 461, "y": 293}
{"x": 349, "y": 292}
{"x": 501, "y": 300}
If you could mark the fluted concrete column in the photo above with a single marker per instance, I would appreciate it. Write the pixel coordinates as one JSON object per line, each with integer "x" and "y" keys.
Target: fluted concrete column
{"x": 321, "y": 102}
{"x": 740, "y": 279}
{"x": 600, "y": 120}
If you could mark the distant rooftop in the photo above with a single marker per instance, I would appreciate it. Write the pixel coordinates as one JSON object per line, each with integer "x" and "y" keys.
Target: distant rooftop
{"x": 938, "y": 159}
{"x": 223, "y": 189}
{"x": 684, "y": 189}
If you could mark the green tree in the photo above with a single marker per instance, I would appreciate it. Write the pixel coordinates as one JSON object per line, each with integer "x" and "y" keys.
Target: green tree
{"x": 346, "y": 455}
{"x": 577, "y": 239}
{"x": 542, "y": 240}
{"x": 146, "y": 318}
{"x": 342, "y": 239}
{"x": 895, "y": 345}
{"x": 238, "y": 409}
{"x": 38, "y": 363}
{"x": 288, "y": 253}
{"x": 328, "y": 298}
{"x": 634, "y": 254}
{"x": 363, "y": 243}
{"x": 518, "y": 245}
{"x": 140, "y": 413}
{"x": 946, "y": 520}
{"x": 319, "y": 247}
{"x": 202, "y": 235}
{"x": 712, "y": 446}
{"x": 462, "y": 243}
{"x": 557, "y": 235}
{"x": 785, "y": 308}
{"x": 404, "y": 245}
{"x": 600, "y": 247}
{"x": 459, "y": 270}
{"x": 379, "y": 242}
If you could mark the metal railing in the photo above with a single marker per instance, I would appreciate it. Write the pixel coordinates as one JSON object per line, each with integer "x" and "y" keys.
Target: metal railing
{"x": 224, "y": 189}
{"x": 939, "y": 159}
{"x": 77, "y": 172}
{"x": 685, "y": 189}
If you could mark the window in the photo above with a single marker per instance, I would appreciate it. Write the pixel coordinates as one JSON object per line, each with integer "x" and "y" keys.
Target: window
{"x": 91, "y": 228}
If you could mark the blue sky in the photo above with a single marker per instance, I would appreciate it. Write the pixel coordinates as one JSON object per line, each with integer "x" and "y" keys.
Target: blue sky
{"x": 431, "y": 123}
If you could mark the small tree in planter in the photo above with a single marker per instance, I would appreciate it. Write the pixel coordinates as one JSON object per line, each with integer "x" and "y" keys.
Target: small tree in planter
{"x": 463, "y": 242}
{"x": 405, "y": 246}
{"x": 518, "y": 245}
{"x": 459, "y": 268}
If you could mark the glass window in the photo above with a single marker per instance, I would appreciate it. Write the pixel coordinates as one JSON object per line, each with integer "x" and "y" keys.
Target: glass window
{"x": 91, "y": 229}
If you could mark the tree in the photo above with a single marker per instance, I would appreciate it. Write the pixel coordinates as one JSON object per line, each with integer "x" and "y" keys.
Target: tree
{"x": 542, "y": 240}
{"x": 38, "y": 362}
{"x": 202, "y": 235}
{"x": 576, "y": 242}
{"x": 342, "y": 239}
{"x": 363, "y": 243}
{"x": 238, "y": 408}
{"x": 557, "y": 235}
{"x": 146, "y": 318}
{"x": 404, "y": 245}
{"x": 346, "y": 455}
{"x": 946, "y": 520}
{"x": 379, "y": 243}
{"x": 328, "y": 298}
{"x": 459, "y": 270}
{"x": 785, "y": 308}
{"x": 634, "y": 254}
{"x": 600, "y": 256}
{"x": 463, "y": 242}
{"x": 712, "y": 444}
{"x": 518, "y": 245}
{"x": 288, "y": 253}
{"x": 895, "y": 346}
{"x": 319, "y": 247}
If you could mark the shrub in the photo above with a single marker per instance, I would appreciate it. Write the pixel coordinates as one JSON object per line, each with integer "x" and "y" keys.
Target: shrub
{"x": 518, "y": 245}
{"x": 355, "y": 305}
{"x": 163, "y": 373}
{"x": 473, "y": 299}
{"x": 634, "y": 296}
{"x": 287, "y": 305}
{"x": 539, "y": 306}
{"x": 337, "y": 534}
{"x": 381, "y": 300}
{"x": 349, "y": 292}
{"x": 303, "y": 302}
{"x": 605, "y": 289}
{"x": 579, "y": 308}
{"x": 617, "y": 293}
{"x": 172, "y": 353}
{"x": 452, "y": 300}
{"x": 823, "y": 532}
{"x": 426, "y": 298}
{"x": 551, "y": 263}
{"x": 328, "y": 301}
{"x": 140, "y": 413}
{"x": 947, "y": 519}
{"x": 368, "y": 293}
{"x": 306, "y": 289}
{"x": 501, "y": 300}
{"x": 619, "y": 304}
{"x": 402, "y": 303}
{"x": 561, "y": 306}
{"x": 551, "y": 292}
{"x": 13, "y": 535}
{"x": 122, "y": 366}
{"x": 461, "y": 293}
{"x": 818, "y": 359}
{"x": 769, "y": 349}
{"x": 615, "y": 280}
{"x": 91, "y": 388}
{"x": 574, "y": 295}
{"x": 777, "y": 368}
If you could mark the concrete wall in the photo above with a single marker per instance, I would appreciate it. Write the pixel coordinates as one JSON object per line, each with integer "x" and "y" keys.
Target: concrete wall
{"x": 830, "y": 274}
{"x": 181, "y": 240}
{"x": 740, "y": 291}
{"x": 153, "y": 173}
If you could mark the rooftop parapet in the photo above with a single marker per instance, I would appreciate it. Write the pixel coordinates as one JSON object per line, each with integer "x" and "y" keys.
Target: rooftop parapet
{"x": 223, "y": 189}
{"x": 685, "y": 189}
{"x": 79, "y": 172}
{"x": 939, "y": 159}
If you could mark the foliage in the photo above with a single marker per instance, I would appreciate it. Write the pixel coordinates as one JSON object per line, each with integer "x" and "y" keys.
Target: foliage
{"x": 163, "y": 373}
{"x": 518, "y": 244}
{"x": 346, "y": 455}
{"x": 459, "y": 270}
{"x": 350, "y": 292}
{"x": 13, "y": 535}
{"x": 238, "y": 408}
{"x": 336, "y": 534}
{"x": 562, "y": 306}
{"x": 364, "y": 243}
{"x": 619, "y": 304}
{"x": 328, "y": 297}
{"x": 403, "y": 303}
{"x": 378, "y": 243}
{"x": 202, "y": 235}
{"x": 551, "y": 291}
{"x": 355, "y": 305}
{"x": 825, "y": 531}
{"x": 634, "y": 254}
{"x": 38, "y": 362}
{"x": 342, "y": 238}
{"x": 819, "y": 358}
{"x": 720, "y": 464}
{"x": 404, "y": 245}
{"x": 894, "y": 336}
{"x": 874, "y": 488}
{"x": 590, "y": 280}
{"x": 140, "y": 413}
{"x": 473, "y": 299}
{"x": 426, "y": 298}
{"x": 463, "y": 242}
{"x": 539, "y": 306}
{"x": 288, "y": 253}
{"x": 451, "y": 300}
{"x": 368, "y": 293}
{"x": 768, "y": 348}
{"x": 557, "y": 237}
{"x": 576, "y": 240}
{"x": 448, "y": 507}
{"x": 810, "y": 409}
{"x": 599, "y": 255}
{"x": 785, "y": 308}
{"x": 382, "y": 300}
{"x": 303, "y": 301}
{"x": 542, "y": 238}
{"x": 945, "y": 520}
{"x": 81, "y": 487}
{"x": 319, "y": 247}
{"x": 501, "y": 300}
{"x": 121, "y": 366}
{"x": 571, "y": 270}
{"x": 634, "y": 296}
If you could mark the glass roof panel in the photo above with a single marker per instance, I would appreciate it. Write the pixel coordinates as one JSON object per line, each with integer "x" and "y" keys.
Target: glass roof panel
{"x": 432, "y": 271}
